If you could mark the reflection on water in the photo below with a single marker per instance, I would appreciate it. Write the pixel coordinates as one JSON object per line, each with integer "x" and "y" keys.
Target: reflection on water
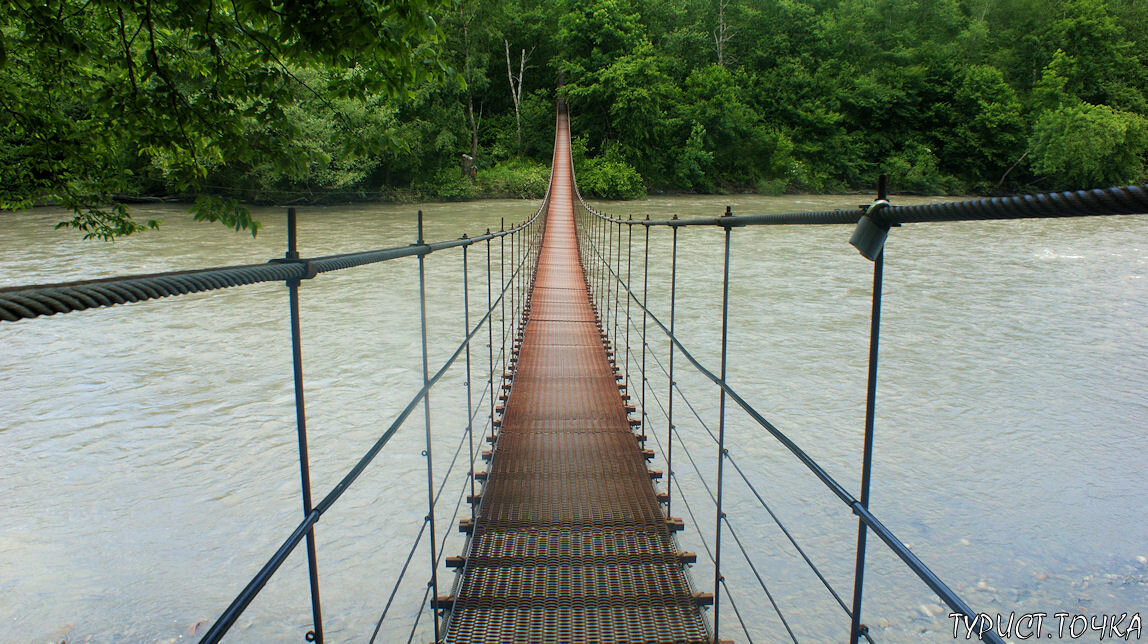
{"x": 150, "y": 461}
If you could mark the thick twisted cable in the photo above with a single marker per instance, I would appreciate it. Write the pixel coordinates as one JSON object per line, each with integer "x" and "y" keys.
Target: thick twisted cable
{"x": 33, "y": 301}
{"x": 895, "y": 544}
{"x": 25, "y": 302}
{"x": 1126, "y": 200}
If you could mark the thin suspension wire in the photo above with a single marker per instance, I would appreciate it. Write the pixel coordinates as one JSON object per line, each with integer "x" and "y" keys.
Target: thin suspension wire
{"x": 399, "y": 581}
{"x": 422, "y": 529}
{"x": 693, "y": 519}
{"x": 654, "y": 435}
{"x": 673, "y": 343}
{"x": 610, "y": 281}
{"x": 418, "y": 615}
{"x": 253, "y": 587}
{"x": 690, "y": 456}
{"x": 769, "y": 595}
{"x": 753, "y": 489}
{"x": 789, "y": 536}
{"x": 740, "y": 545}
{"x": 737, "y": 613}
{"x": 426, "y": 594}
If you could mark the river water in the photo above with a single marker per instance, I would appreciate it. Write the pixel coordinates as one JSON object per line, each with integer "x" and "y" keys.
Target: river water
{"x": 150, "y": 461}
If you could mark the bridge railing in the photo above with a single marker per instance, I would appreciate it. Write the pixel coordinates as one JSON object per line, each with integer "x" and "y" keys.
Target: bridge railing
{"x": 515, "y": 249}
{"x": 609, "y": 269}
{"x": 518, "y": 248}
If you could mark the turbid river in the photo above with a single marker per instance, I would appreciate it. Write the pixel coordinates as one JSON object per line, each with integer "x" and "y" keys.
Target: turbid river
{"x": 150, "y": 463}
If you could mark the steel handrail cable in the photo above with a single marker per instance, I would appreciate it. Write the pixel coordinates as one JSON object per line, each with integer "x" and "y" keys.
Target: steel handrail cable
{"x": 923, "y": 572}
{"x": 697, "y": 470}
{"x": 240, "y": 603}
{"x": 418, "y": 397}
{"x": 35, "y": 300}
{"x": 488, "y": 388}
{"x": 1099, "y": 202}
{"x": 765, "y": 505}
{"x": 733, "y": 461}
{"x": 733, "y": 532}
{"x": 418, "y": 538}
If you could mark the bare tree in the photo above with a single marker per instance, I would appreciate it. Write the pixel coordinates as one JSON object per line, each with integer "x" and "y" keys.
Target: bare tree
{"x": 723, "y": 34}
{"x": 516, "y": 86}
{"x": 466, "y": 19}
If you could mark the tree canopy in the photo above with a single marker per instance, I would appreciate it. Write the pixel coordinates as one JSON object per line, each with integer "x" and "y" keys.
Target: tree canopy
{"x": 103, "y": 97}
{"x": 240, "y": 101}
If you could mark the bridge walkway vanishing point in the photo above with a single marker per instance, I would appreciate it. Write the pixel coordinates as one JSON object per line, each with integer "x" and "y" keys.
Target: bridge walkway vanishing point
{"x": 570, "y": 542}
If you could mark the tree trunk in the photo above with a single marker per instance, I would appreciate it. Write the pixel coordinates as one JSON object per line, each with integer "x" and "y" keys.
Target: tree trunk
{"x": 516, "y": 87}
{"x": 469, "y": 93}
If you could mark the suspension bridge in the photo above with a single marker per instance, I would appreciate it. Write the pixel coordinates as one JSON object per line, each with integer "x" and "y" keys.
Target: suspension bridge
{"x": 570, "y": 536}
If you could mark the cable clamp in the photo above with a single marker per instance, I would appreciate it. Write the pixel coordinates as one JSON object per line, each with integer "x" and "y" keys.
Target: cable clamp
{"x": 309, "y": 271}
{"x": 871, "y": 231}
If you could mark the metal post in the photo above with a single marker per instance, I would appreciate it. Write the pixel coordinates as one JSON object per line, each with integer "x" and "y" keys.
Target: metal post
{"x": 721, "y": 454}
{"x": 606, "y": 276}
{"x": 515, "y": 285}
{"x": 856, "y": 628}
{"x": 301, "y": 428}
{"x": 617, "y": 292}
{"x": 502, "y": 287}
{"x": 591, "y": 248}
{"x": 469, "y": 395}
{"x": 490, "y": 329}
{"x": 670, "y": 399}
{"x": 645, "y": 315}
{"x": 629, "y": 260}
{"x": 426, "y": 419}
{"x": 603, "y": 285}
{"x": 596, "y": 260}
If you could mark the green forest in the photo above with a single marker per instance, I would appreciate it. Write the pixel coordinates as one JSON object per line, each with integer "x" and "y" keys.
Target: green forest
{"x": 262, "y": 101}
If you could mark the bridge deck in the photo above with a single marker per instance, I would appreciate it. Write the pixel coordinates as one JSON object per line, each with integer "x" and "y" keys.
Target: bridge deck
{"x": 570, "y": 543}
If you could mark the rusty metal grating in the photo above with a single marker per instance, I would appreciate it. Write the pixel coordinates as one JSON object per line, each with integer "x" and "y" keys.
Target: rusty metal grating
{"x": 570, "y": 543}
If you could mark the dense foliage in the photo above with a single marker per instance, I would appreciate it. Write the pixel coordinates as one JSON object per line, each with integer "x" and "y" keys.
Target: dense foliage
{"x": 258, "y": 101}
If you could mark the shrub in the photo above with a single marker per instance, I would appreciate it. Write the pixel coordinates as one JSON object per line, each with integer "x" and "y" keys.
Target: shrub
{"x": 520, "y": 178}
{"x": 607, "y": 178}
{"x": 914, "y": 170}
{"x": 448, "y": 185}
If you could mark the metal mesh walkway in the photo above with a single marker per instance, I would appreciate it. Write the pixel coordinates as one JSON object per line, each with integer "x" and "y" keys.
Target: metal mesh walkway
{"x": 570, "y": 543}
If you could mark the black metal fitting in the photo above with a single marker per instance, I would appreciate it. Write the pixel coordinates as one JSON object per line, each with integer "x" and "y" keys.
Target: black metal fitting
{"x": 871, "y": 231}
{"x": 309, "y": 271}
